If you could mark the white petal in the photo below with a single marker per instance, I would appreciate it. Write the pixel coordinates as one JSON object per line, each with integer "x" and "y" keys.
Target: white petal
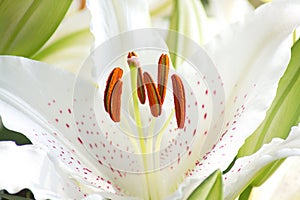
{"x": 30, "y": 167}
{"x": 250, "y": 68}
{"x": 246, "y": 52}
{"x": 71, "y": 43}
{"x": 191, "y": 20}
{"x": 254, "y": 72}
{"x": 229, "y": 11}
{"x": 283, "y": 184}
{"x": 110, "y": 18}
{"x": 222, "y": 13}
{"x": 246, "y": 168}
{"x": 160, "y": 11}
{"x": 36, "y": 100}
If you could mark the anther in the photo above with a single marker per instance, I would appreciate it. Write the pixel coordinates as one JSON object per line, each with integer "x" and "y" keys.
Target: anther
{"x": 141, "y": 86}
{"x": 162, "y": 79}
{"x": 115, "y": 104}
{"x": 179, "y": 100}
{"x": 113, "y": 78}
{"x": 153, "y": 96}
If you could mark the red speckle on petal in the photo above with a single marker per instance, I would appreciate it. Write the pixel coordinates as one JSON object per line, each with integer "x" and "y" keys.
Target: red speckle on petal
{"x": 67, "y": 125}
{"x": 69, "y": 110}
{"x": 79, "y": 140}
{"x": 205, "y": 116}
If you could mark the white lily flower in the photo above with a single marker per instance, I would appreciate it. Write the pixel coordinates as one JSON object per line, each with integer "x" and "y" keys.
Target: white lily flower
{"x": 37, "y": 99}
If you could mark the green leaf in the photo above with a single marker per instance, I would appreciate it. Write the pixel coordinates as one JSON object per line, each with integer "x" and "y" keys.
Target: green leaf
{"x": 246, "y": 193}
{"x": 284, "y": 111}
{"x": 282, "y": 115}
{"x": 210, "y": 189}
{"x": 27, "y": 25}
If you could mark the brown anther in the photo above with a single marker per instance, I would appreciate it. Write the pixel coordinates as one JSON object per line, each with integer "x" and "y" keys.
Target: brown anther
{"x": 115, "y": 104}
{"x": 141, "y": 86}
{"x": 179, "y": 100}
{"x": 153, "y": 96}
{"x": 82, "y": 4}
{"x": 162, "y": 78}
{"x": 113, "y": 78}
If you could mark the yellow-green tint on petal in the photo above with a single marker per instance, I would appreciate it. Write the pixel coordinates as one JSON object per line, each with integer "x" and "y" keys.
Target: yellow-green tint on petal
{"x": 67, "y": 52}
{"x": 188, "y": 18}
{"x": 26, "y": 25}
{"x": 283, "y": 114}
{"x": 210, "y": 189}
{"x": 284, "y": 111}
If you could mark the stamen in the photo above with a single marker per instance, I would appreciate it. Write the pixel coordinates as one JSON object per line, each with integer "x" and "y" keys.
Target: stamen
{"x": 115, "y": 104}
{"x": 179, "y": 100}
{"x": 163, "y": 72}
{"x": 113, "y": 78}
{"x": 82, "y": 4}
{"x": 153, "y": 96}
{"x": 141, "y": 86}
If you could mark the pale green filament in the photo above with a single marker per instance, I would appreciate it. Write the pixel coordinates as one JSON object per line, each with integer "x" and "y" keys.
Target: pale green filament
{"x": 294, "y": 36}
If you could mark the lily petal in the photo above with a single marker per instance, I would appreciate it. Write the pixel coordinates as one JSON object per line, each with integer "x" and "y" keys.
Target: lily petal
{"x": 283, "y": 184}
{"x": 110, "y": 18}
{"x": 250, "y": 67}
{"x": 251, "y": 77}
{"x": 221, "y": 13}
{"x": 36, "y": 100}
{"x": 30, "y": 166}
{"x": 246, "y": 168}
{"x": 229, "y": 11}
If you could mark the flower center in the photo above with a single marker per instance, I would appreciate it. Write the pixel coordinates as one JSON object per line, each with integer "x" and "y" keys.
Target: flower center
{"x": 143, "y": 86}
